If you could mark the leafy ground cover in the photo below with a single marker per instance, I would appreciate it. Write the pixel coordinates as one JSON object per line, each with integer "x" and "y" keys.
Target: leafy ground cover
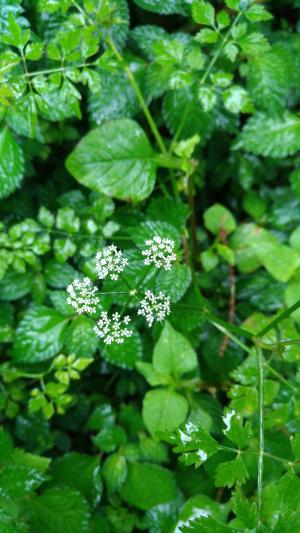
{"x": 149, "y": 266}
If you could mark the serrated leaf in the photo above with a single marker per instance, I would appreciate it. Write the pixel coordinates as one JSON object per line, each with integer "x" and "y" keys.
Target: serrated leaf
{"x": 80, "y": 338}
{"x": 184, "y": 102}
{"x": 173, "y": 354}
{"x": 39, "y": 335}
{"x": 15, "y": 285}
{"x": 164, "y": 410}
{"x": 235, "y": 430}
{"x": 272, "y": 136}
{"x": 148, "y": 485}
{"x": 231, "y": 473}
{"x": 115, "y": 159}
{"x": 58, "y": 509}
{"x": 11, "y": 163}
{"x": 203, "y": 13}
{"x": 126, "y": 355}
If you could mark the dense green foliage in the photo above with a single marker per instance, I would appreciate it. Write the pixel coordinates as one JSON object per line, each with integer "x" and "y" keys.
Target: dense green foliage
{"x": 122, "y": 120}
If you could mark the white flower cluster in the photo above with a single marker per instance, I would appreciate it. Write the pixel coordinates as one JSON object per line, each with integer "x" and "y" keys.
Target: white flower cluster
{"x": 82, "y": 296}
{"x": 110, "y": 262}
{"x": 154, "y": 307}
{"x": 159, "y": 252}
{"x": 113, "y": 329}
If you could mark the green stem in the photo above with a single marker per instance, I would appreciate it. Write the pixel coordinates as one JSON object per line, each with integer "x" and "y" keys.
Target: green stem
{"x": 47, "y": 71}
{"x": 261, "y": 436}
{"x": 140, "y": 97}
{"x": 280, "y": 377}
{"x": 232, "y": 337}
{"x": 279, "y": 319}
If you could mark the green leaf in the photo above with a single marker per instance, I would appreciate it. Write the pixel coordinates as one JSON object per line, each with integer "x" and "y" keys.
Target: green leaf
{"x": 235, "y": 431}
{"x": 272, "y": 136}
{"x": 173, "y": 354}
{"x": 163, "y": 7}
{"x": 217, "y": 218}
{"x": 78, "y": 471}
{"x": 15, "y": 285}
{"x": 231, "y": 473}
{"x": 125, "y": 356}
{"x": 257, "y": 13}
{"x": 58, "y": 275}
{"x": 17, "y": 480}
{"x": 115, "y": 159}
{"x": 164, "y": 410}
{"x": 58, "y": 509}
{"x": 295, "y": 443}
{"x": 206, "y": 524}
{"x": 203, "y": 13}
{"x": 194, "y": 443}
{"x": 245, "y": 511}
{"x": 39, "y": 335}
{"x": 174, "y": 282}
{"x": 148, "y": 485}
{"x": 184, "y": 101}
{"x": 114, "y": 471}
{"x": 80, "y": 338}
{"x": 11, "y": 163}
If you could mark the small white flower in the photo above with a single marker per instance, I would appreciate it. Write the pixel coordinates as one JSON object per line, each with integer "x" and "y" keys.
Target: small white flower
{"x": 82, "y": 296}
{"x": 159, "y": 252}
{"x": 110, "y": 262}
{"x": 154, "y": 307}
{"x": 113, "y": 329}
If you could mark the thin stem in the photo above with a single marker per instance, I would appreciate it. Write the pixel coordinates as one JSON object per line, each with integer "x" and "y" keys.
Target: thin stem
{"x": 47, "y": 71}
{"x": 232, "y": 337}
{"x": 261, "y": 436}
{"x": 253, "y": 452}
{"x": 279, "y": 319}
{"x": 140, "y": 97}
{"x": 280, "y": 377}
{"x": 204, "y": 78}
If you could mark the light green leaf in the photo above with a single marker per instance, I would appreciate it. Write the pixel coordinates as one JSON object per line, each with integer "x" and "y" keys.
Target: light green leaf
{"x": 164, "y": 410}
{"x": 11, "y": 163}
{"x": 58, "y": 509}
{"x": 39, "y": 335}
{"x": 148, "y": 485}
{"x": 217, "y": 218}
{"x": 163, "y": 7}
{"x": 173, "y": 354}
{"x": 194, "y": 443}
{"x": 203, "y": 13}
{"x": 227, "y": 474}
{"x": 115, "y": 159}
{"x": 272, "y": 136}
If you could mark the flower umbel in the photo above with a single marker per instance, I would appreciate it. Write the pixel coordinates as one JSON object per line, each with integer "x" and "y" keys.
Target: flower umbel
{"x": 82, "y": 296}
{"x": 159, "y": 252}
{"x": 154, "y": 307}
{"x": 110, "y": 262}
{"x": 113, "y": 329}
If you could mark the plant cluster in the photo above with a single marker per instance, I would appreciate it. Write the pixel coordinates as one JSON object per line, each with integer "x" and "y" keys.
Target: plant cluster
{"x": 149, "y": 266}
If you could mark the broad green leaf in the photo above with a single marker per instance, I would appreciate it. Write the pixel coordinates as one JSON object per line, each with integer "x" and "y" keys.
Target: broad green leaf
{"x": 148, "y": 485}
{"x": 17, "y": 480}
{"x": 114, "y": 471}
{"x": 174, "y": 282}
{"x": 173, "y": 354}
{"x": 115, "y": 159}
{"x": 231, "y": 473}
{"x": 164, "y": 410}
{"x": 80, "y": 338}
{"x": 78, "y": 471}
{"x": 39, "y": 335}
{"x": 15, "y": 285}
{"x": 58, "y": 509}
{"x": 11, "y": 163}
{"x": 199, "y": 506}
{"x": 245, "y": 510}
{"x": 58, "y": 275}
{"x": 295, "y": 443}
{"x": 154, "y": 378}
{"x": 218, "y": 218}
{"x": 272, "y": 136}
